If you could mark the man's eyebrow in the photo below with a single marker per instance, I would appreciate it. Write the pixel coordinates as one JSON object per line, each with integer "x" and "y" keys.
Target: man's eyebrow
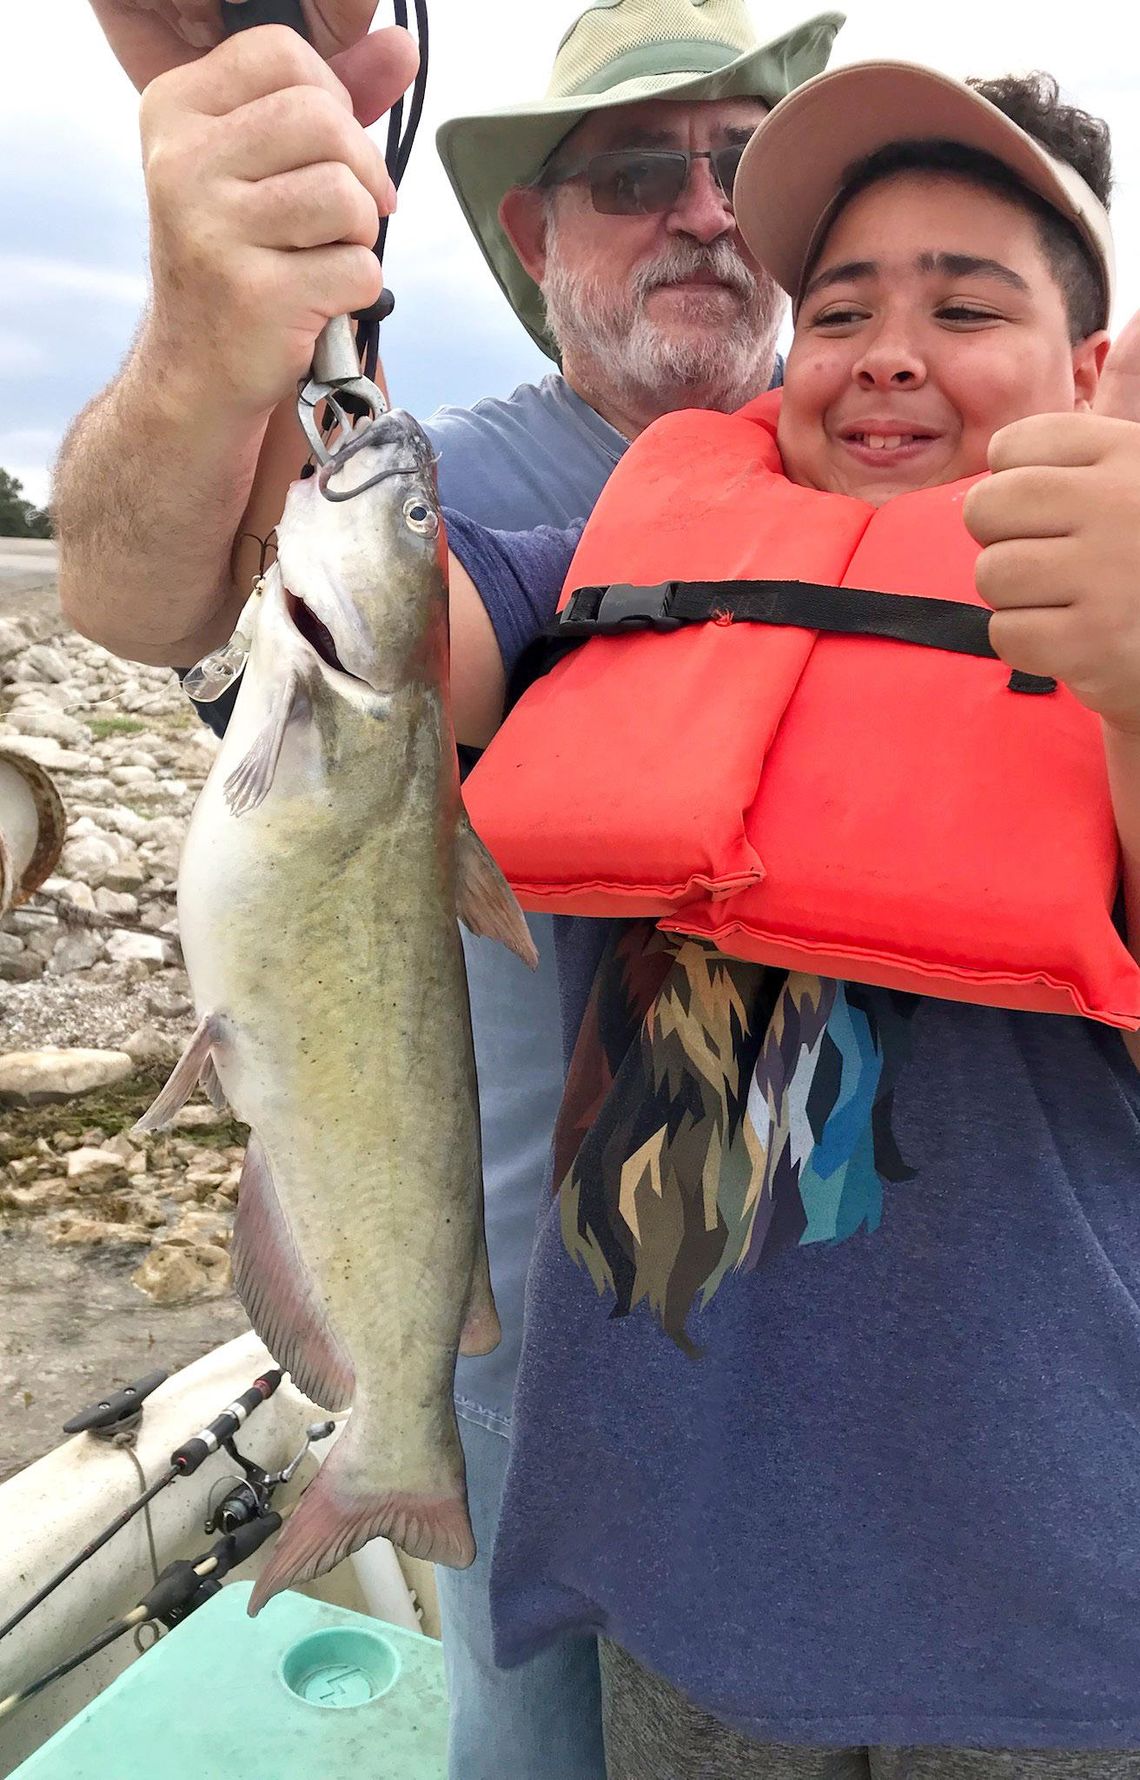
{"x": 848, "y": 273}
{"x": 634, "y": 136}
{"x": 965, "y": 265}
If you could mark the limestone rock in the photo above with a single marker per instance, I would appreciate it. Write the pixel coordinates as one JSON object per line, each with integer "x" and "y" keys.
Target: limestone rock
{"x": 149, "y": 1045}
{"x": 90, "y": 857}
{"x": 37, "y": 1078}
{"x": 124, "y": 947}
{"x": 12, "y": 639}
{"x": 76, "y": 951}
{"x": 175, "y": 1275}
{"x": 46, "y": 663}
{"x": 70, "y": 1229}
{"x": 56, "y": 724}
{"x": 125, "y": 874}
{"x": 40, "y": 1195}
{"x": 92, "y": 1170}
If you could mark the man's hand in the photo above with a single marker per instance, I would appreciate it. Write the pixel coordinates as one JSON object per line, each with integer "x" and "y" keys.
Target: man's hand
{"x": 150, "y": 37}
{"x": 264, "y": 193}
{"x": 1060, "y": 522}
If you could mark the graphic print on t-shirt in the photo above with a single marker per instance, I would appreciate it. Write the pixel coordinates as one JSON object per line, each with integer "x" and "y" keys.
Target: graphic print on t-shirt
{"x": 717, "y": 1112}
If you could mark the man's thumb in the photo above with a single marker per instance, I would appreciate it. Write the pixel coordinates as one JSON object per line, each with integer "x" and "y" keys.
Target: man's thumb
{"x": 1118, "y": 392}
{"x": 377, "y": 70}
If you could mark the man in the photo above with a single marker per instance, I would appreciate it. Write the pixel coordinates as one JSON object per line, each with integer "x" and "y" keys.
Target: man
{"x": 629, "y": 272}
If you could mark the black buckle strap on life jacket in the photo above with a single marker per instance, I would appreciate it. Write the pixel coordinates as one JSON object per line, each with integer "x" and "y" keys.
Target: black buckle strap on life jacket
{"x": 807, "y": 605}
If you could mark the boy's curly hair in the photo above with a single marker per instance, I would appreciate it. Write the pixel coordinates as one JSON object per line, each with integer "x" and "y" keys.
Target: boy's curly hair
{"x": 1033, "y": 102}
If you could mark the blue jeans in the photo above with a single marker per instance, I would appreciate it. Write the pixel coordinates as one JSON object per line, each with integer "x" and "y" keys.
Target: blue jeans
{"x": 541, "y": 1721}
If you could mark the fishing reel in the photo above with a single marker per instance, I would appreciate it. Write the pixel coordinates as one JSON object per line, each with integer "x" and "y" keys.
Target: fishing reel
{"x": 237, "y": 1502}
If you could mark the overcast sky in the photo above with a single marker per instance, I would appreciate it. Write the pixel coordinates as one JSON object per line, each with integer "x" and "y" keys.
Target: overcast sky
{"x": 72, "y": 219}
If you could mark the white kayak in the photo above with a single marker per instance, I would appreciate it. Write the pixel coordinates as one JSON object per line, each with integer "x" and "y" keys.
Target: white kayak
{"x": 54, "y": 1507}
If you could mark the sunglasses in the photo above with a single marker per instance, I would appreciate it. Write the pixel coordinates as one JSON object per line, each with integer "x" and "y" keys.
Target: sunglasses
{"x": 646, "y": 181}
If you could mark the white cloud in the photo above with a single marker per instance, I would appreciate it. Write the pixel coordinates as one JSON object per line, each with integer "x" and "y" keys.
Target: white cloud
{"x": 26, "y": 279}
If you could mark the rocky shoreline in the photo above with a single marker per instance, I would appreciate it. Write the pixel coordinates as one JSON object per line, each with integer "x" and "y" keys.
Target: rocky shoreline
{"x": 94, "y": 1009}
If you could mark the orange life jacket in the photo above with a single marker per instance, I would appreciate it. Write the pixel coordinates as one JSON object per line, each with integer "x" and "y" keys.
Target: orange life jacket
{"x": 851, "y": 805}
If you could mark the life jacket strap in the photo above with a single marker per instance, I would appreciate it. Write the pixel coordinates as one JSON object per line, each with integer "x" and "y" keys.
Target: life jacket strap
{"x": 808, "y": 605}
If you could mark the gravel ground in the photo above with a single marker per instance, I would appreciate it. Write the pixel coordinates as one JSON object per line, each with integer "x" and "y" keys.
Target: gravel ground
{"x": 113, "y": 1250}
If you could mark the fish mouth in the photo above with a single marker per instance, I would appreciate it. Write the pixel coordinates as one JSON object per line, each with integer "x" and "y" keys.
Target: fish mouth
{"x": 317, "y": 635}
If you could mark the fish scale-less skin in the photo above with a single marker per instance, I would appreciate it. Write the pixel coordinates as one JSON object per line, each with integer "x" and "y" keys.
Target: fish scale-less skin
{"x": 319, "y": 928}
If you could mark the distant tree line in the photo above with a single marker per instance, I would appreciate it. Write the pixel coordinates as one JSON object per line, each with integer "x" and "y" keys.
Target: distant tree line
{"x": 19, "y": 518}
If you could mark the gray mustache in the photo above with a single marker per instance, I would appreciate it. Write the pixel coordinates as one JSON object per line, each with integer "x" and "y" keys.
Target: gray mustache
{"x": 683, "y": 262}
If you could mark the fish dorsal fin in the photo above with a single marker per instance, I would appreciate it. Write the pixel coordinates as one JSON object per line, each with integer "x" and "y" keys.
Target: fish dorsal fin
{"x": 278, "y": 1292}
{"x": 484, "y": 900}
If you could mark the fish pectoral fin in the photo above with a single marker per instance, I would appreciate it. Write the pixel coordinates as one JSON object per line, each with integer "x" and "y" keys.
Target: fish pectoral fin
{"x": 484, "y": 900}
{"x": 189, "y": 1069}
{"x": 248, "y": 785}
{"x": 278, "y": 1291}
{"x": 212, "y": 1087}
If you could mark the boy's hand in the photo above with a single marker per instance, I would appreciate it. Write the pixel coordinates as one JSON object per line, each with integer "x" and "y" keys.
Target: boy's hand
{"x": 1060, "y": 522}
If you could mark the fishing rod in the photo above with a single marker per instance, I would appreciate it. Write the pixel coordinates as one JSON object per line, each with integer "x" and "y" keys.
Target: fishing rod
{"x": 182, "y": 1587}
{"x": 183, "y": 1463}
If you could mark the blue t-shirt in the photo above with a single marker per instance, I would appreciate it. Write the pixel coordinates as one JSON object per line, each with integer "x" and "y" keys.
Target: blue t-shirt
{"x": 895, "y": 1497}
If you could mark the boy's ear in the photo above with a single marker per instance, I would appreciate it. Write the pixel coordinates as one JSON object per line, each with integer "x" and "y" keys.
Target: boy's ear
{"x": 522, "y": 214}
{"x": 1088, "y": 363}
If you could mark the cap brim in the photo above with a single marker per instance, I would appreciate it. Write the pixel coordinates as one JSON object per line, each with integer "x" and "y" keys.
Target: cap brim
{"x": 798, "y": 162}
{"x": 484, "y": 155}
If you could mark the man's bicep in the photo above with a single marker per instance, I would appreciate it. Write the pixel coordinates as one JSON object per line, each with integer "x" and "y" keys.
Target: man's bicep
{"x": 505, "y": 588}
{"x": 478, "y": 678}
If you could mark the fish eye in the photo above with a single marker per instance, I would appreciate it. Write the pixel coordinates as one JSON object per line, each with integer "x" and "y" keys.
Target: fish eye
{"x": 419, "y": 517}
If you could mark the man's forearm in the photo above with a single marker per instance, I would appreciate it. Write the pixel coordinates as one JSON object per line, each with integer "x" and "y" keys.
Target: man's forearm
{"x": 1122, "y": 751}
{"x": 151, "y": 487}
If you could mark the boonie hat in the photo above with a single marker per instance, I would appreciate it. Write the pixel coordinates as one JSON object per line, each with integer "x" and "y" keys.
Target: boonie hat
{"x": 798, "y": 163}
{"x": 618, "y": 52}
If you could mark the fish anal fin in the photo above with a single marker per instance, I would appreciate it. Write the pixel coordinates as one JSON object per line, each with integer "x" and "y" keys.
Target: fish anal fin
{"x": 332, "y": 1520}
{"x": 484, "y": 900}
{"x": 278, "y": 1293}
{"x": 249, "y": 783}
{"x": 482, "y": 1330}
{"x": 192, "y": 1065}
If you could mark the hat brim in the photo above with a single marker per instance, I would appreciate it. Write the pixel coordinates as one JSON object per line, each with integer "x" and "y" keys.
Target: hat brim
{"x": 797, "y": 164}
{"x": 485, "y": 155}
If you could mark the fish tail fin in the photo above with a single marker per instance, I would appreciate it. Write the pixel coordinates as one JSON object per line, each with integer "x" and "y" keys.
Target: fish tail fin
{"x": 334, "y": 1518}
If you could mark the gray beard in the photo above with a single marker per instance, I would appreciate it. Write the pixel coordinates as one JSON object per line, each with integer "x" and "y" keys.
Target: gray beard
{"x": 638, "y": 364}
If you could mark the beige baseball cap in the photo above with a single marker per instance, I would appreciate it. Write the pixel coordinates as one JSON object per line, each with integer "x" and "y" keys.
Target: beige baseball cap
{"x": 798, "y": 163}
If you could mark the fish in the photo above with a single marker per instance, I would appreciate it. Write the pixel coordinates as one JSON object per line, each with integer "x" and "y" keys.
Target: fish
{"x": 323, "y": 868}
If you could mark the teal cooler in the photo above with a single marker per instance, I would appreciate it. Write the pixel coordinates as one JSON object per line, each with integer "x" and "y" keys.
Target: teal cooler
{"x": 303, "y": 1692}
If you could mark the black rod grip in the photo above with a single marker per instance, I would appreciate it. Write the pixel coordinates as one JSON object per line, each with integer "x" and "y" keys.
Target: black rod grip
{"x": 249, "y": 13}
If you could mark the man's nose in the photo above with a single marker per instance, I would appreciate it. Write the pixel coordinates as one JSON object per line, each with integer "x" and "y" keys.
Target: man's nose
{"x": 702, "y": 210}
